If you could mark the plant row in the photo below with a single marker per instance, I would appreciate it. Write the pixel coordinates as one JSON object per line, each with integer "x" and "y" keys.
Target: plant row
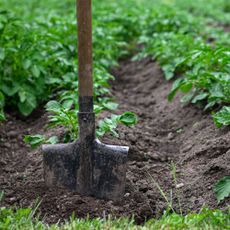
{"x": 38, "y": 52}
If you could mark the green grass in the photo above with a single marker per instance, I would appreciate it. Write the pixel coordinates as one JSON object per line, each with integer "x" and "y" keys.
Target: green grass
{"x": 23, "y": 219}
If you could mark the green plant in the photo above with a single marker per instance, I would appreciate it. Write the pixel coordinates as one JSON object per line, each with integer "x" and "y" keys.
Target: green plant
{"x": 169, "y": 201}
{"x": 177, "y": 39}
{"x": 2, "y": 103}
{"x": 64, "y": 115}
{"x": 222, "y": 188}
{"x": 38, "y": 57}
{"x": 222, "y": 117}
{"x": 206, "y": 219}
{"x": 1, "y": 195}
{"x": 108, "y": 125}
{"x": 36, "y": 140}
{"x": 21, "y": 79}
{"x": 22, "y": 218}
{"x": 178, "y": 195}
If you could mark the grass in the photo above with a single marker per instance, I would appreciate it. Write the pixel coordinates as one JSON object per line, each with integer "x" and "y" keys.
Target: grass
{"x": 25, "y": 219}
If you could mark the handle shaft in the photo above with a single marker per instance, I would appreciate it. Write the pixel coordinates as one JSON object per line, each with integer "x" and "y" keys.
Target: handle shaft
{"x": 85, "y": 60}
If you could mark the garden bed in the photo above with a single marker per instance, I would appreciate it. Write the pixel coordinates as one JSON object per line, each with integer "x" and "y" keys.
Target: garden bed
{"x": 167, "y": 134}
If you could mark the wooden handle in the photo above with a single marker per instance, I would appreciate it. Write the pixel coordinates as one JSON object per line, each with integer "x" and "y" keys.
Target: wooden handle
{"x": 85, "y": 62}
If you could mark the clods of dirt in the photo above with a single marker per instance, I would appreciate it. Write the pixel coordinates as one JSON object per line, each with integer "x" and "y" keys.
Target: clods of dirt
{"x": 167, "y": 134}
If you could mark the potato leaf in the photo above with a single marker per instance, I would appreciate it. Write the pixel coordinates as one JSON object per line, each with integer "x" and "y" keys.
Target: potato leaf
{"x": 26, "y": 107}
{"x": 2, "y": 100}
{"x": 128, "y": 118}
{"x": 53, "y": 106}
{"x": 52, "y": 140}
{"x": 199, "y": 97}
{"x": 222, "y": 188}
{"x": 222, "y": 117}
{"x": 34, "y": 141}
{"x": 2, "y": 53}
{"x": 176, "y": 85}
{"x": 2, "y": 116}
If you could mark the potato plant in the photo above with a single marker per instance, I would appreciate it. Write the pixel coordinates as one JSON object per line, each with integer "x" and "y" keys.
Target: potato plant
{"x": 38, "y": 57}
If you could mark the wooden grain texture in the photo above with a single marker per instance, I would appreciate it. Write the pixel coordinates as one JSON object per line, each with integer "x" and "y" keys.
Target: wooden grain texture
{"x": 84, "y": 18}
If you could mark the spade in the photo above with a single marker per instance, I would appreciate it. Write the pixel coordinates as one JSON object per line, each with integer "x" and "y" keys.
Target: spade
{"x": 86, "y": 166}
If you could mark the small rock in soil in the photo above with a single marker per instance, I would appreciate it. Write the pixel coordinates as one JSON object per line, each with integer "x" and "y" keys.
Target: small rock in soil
{"x": 171, "y": 136}
{"x": 127, "y": 194}
{"x": 7, "y": 145}
{"x": 180, "y": 185}
{"x": 12, "y": 134}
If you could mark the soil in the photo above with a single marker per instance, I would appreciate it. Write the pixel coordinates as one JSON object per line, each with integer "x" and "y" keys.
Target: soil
{"x": 167, "y": 134}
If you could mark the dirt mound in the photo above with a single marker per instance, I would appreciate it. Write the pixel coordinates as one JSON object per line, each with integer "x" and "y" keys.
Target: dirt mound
{"x": 166, "y": 133}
